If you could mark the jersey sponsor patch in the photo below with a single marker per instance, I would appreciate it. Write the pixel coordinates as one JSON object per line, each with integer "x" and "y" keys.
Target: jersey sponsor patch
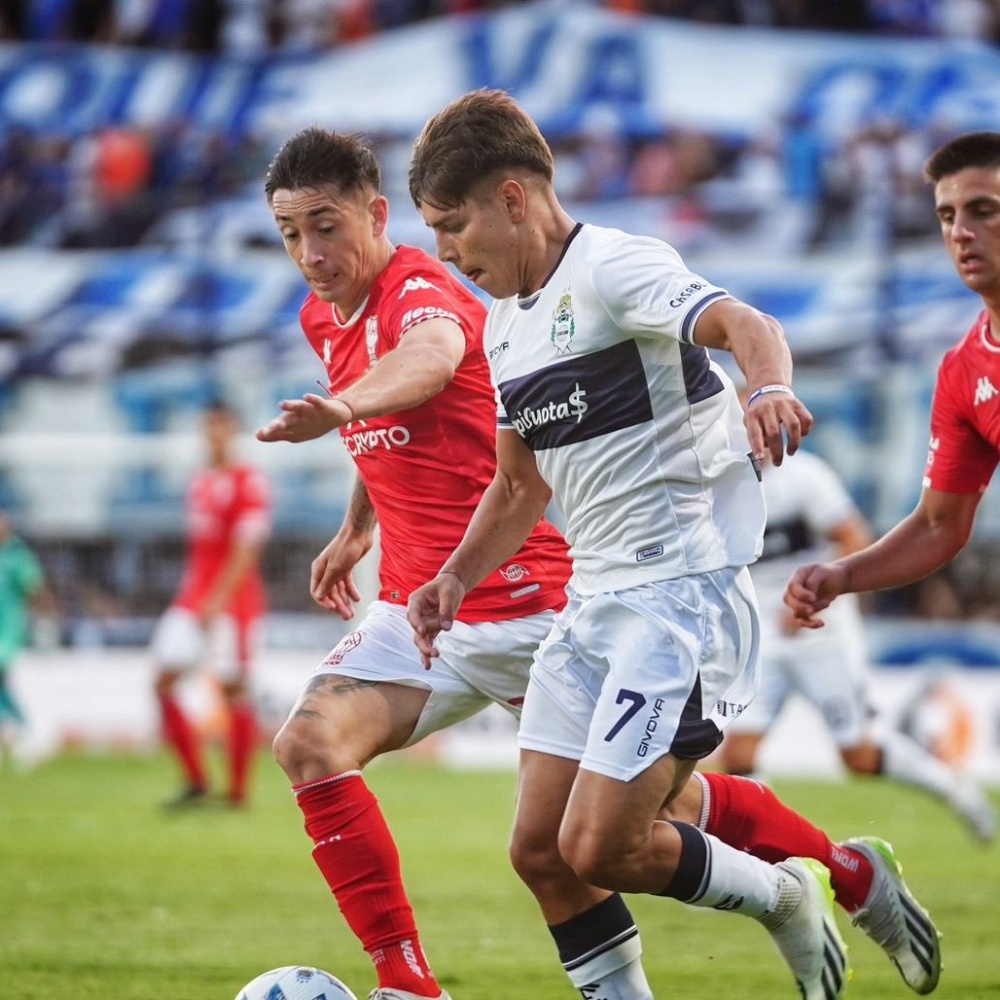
{"x": 579, "y": 399}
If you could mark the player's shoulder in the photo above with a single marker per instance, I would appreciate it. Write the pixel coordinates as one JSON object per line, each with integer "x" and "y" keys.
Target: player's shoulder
{"x": 412, "y": 269}
{"x": 615, "y": 259}
{"x": 250, "y": 477}
{"x": 968, "y": 347}
{"x": 607, "y": 240}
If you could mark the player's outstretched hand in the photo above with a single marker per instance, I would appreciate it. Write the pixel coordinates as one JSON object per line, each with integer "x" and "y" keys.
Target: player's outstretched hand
{"x": 776, "y": 422}
{"x": 431, "y": 610}
{"x": 305, "y": 419}
{"x": 812, "y": 589}
{"x": 331, "y": 582}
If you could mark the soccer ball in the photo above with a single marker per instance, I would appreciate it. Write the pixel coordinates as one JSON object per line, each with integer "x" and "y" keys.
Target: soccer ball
{"x": 295, "y": 982}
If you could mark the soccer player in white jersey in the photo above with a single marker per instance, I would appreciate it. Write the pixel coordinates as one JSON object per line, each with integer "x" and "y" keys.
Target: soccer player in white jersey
{"x": 811, "y": 517}
{"x": 608, "y": 399}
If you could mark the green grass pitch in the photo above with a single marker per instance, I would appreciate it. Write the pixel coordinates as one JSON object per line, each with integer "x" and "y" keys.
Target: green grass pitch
{"x": 104, "y": 897}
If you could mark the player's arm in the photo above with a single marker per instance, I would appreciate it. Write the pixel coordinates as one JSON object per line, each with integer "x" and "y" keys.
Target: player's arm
{"x": 419, "y": 367}
{"x": 331, "y": 582}
{"x": 924, "y": 541}
{"x": 851, "y": 534}
{"x": 243, "y": 557}
{"x": 508, "y": 510}
{"x": 757, "y": 343}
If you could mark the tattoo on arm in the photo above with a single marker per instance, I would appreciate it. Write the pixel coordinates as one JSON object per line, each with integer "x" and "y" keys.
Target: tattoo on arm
{"x": 360, "y": 512}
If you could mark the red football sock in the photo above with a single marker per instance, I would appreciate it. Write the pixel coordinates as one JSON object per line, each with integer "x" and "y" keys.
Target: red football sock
{"x": 242, "y": 744}
{"x": 180, "y": 735}
{"x": 358, "y": 858}
{"x": 749, "y": 816}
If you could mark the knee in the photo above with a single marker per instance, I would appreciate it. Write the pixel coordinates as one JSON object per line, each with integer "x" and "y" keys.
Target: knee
{"x": 306, "y": 753}
{"x": 594, "y": 859}
{"x": 166, "y": 681}
{"x": 864, "y": 758}
{"x": 535, "y": 857}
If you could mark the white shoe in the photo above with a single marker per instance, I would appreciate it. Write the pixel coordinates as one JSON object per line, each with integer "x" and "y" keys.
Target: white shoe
{"x": 975, "y": 808}
{"x": 386, "y": 993}
{"x": 895, "y": 921}
{"x": 808, "y": 937}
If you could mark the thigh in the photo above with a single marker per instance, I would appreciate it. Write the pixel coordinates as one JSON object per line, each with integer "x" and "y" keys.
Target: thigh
{"x": 495, "y": 657}
{"x": 831, "y": 670}
{"x": 381, "y": 652}
{"x": 612, "y": 811}
{"x": 233, "y": 645}
{"x": 178, "y": 641}
{"x": 543, "y": 788}
{"x": 681, "y": 661}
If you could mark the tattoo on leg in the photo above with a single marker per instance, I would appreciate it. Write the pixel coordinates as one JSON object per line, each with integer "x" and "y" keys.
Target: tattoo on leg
{"x": 332, "y": 684}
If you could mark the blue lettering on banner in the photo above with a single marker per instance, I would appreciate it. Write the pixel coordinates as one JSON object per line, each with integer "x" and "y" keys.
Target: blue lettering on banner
{"x": 610, "y": 71}
{"x": 855, "y": 91}
{"x": 483, "y": 69}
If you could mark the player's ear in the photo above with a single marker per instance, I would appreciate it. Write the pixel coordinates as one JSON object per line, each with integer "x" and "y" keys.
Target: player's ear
{"x": 514, "y": 199}
{"x": 379, "y": 209}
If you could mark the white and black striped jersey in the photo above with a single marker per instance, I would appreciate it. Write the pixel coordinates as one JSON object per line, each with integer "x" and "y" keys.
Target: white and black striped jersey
{"x": 638, "y": 432}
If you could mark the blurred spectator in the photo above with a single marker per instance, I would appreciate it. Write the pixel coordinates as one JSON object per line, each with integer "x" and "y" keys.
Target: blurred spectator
{"x": 22, "y": 589}
{"x": 169, "y": 24}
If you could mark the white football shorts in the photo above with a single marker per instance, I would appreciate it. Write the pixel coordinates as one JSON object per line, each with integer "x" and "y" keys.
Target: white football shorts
{"x": 228, "y": 649}
{"x": 826, "y": 666}
{"x": 479, "y": 664}
{"x": 628, "y": 676}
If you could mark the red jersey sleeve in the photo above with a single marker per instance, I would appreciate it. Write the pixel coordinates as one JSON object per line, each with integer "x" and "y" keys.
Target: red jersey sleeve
{"x": 959, "y": 459}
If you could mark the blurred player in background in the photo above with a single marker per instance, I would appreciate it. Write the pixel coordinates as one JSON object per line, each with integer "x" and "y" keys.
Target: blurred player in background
{"x": 608, "y": 399}
{"x": 414, "y": 406}
{"x": 214, "y": 620}
{"x": 810, "y": 515}
{"x": 22, "y": 589}
{"x": 965, "y": 416}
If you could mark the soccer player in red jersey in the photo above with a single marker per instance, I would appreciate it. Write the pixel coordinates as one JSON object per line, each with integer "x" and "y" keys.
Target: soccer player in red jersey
{"x": 213, "y": 620}
{"x": 965, "y": 415}
{"x": 401, "y": 342}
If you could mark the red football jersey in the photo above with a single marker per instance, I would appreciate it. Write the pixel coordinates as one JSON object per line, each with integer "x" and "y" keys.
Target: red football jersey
{"x": 965, "y": 417}
{"x": 224, "y": 506}
{"x": 426, "y": 468}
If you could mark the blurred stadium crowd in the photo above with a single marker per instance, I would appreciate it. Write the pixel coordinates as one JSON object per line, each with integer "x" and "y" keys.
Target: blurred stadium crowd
{"x": 274, "y": 25}
{"x": 164, "y": 282}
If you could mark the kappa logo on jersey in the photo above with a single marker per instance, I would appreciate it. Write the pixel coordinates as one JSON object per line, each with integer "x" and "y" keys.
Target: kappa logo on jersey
{"x": 529, "y": 417}
{"x": 367, "y": 439}
{"x": 350, "y": 641}
{"x": 514, "y": 572}
{"x": 327, "y": 351}
{"x": 985, "y": 391}
{"x": 563, "y": 324}
{"x": 371, "y": 338}
{"x": 416, "y": 285}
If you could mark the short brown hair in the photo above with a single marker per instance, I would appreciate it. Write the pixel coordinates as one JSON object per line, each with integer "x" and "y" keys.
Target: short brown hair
{"x": 315, "y": 157}
{"x": 473, "y": 137}
{"x": 974, "y": 149}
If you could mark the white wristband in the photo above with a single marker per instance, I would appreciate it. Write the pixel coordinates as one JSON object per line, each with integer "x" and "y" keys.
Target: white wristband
{"x": 764, "y": 389}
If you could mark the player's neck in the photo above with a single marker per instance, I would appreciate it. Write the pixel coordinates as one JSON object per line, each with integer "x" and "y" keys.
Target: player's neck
{"x": 991, "y": 328}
